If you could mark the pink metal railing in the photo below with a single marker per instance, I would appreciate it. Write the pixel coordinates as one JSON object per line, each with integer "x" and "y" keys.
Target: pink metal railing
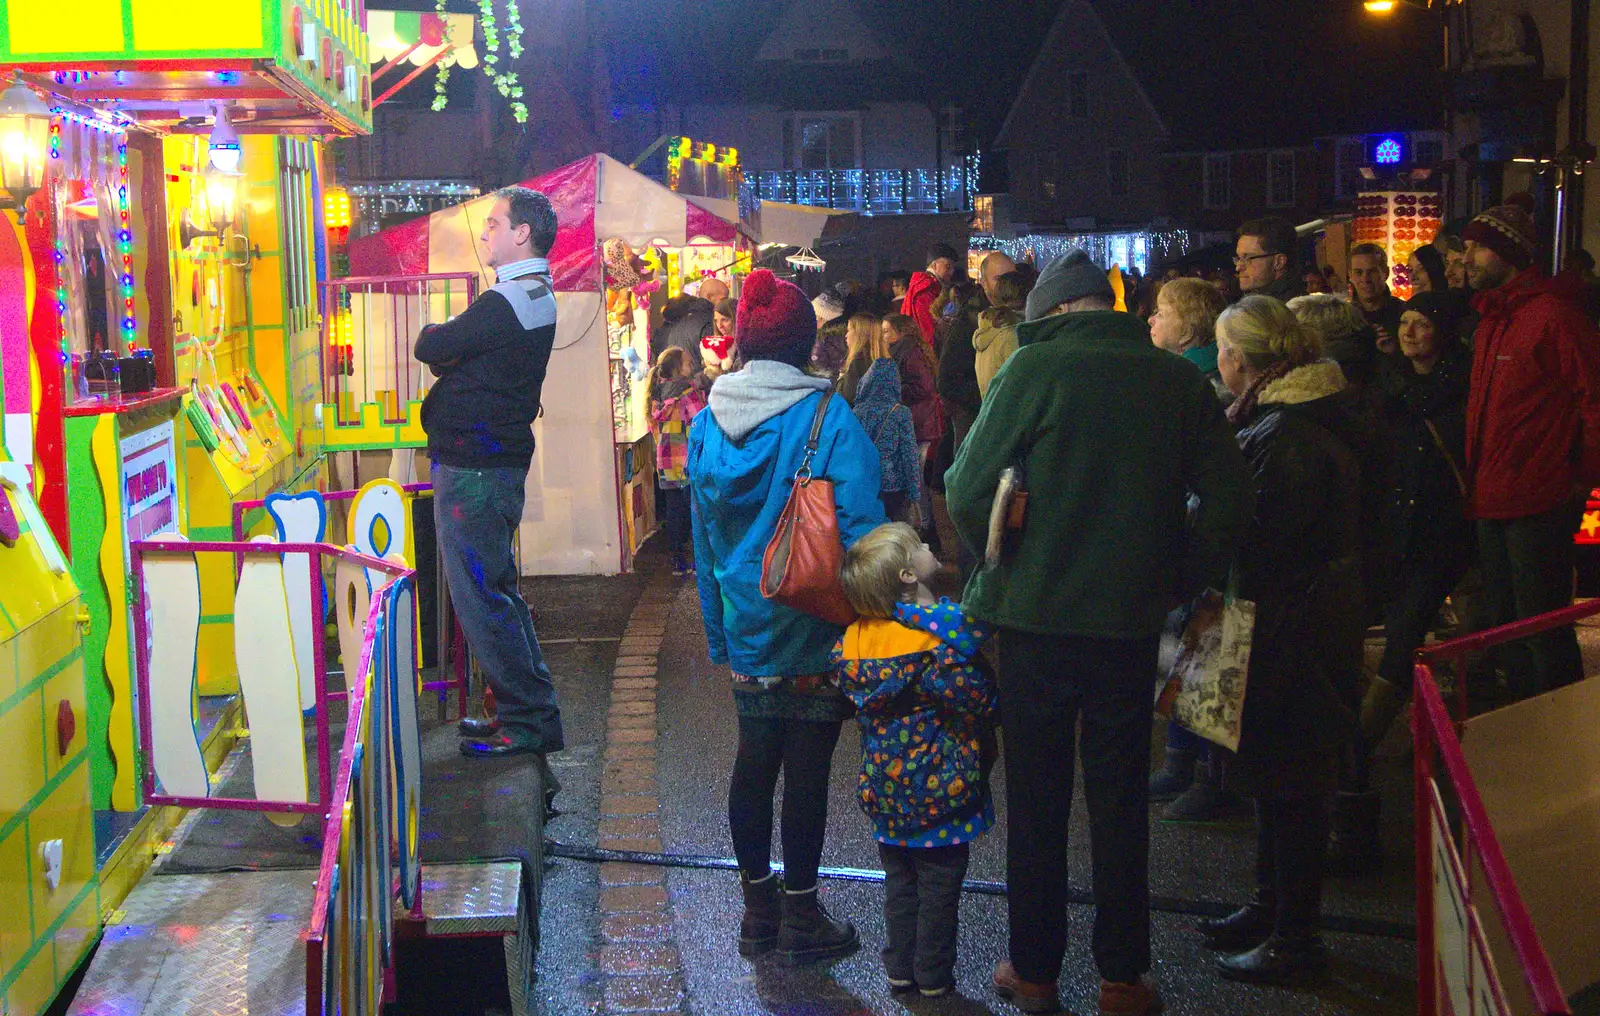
{"x": 458, "y": 657}
{"x": 317, "y": 551}
{"x": 1436, "y": 734}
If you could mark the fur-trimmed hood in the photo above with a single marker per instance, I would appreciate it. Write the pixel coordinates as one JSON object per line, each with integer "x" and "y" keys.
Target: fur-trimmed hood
{"x": 1304, "y": 384}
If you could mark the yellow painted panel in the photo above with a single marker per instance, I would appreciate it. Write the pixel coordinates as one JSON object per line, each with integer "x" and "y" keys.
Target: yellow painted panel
{"x": 30, "y": 589}
{"x": 196, "y": 24}
{"x": 96, "y": 27}
{"x": 216, "y": 672}
{"x": 22, "y": 761}
{"x": 8, "y": 667}
{"x": 76, "y": 935}
{"x": 16, "y": 933}
{"x": 65, "y": 815}
{"x": 34, "y": 987}
{"x": 118, "y": 666}
{"x": 66, "y": 686}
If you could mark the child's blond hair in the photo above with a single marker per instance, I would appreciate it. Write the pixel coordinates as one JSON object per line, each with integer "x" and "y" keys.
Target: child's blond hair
{"x": 871, "y": 571}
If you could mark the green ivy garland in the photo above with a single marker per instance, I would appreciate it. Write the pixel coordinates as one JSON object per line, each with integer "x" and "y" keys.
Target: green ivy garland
{"x": 440, "y": 97}
{"x": 505, "y": 82}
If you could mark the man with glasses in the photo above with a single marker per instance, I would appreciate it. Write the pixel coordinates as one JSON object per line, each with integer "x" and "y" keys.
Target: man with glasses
{"x": 1265, "y": 259}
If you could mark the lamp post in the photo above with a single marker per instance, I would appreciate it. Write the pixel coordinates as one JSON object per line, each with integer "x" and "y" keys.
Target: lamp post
{"x": 24, "y": 146}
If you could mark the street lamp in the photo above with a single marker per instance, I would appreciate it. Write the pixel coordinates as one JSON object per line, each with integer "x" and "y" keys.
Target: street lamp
{"x": 24, "y": 145}
{"x": 1379, "y": 6}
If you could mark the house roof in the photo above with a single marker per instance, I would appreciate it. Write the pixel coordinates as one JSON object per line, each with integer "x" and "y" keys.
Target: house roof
{"x": 972, "y": 53}
{"x": 1227, "y": 74}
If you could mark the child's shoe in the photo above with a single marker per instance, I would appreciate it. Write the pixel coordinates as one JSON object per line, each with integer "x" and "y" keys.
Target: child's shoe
{"x": 939, "y": 992}
{"x": 901, "y": 985}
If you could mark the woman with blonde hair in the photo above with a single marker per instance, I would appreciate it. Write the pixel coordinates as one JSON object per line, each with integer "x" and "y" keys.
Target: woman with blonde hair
{"x": 865, "y": 345}
{"x": 1185, "y": 322}
{"x": 1300, "y": 565}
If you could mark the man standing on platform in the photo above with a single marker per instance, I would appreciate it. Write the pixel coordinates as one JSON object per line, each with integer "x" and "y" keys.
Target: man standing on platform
{"x": 490, "y": 362}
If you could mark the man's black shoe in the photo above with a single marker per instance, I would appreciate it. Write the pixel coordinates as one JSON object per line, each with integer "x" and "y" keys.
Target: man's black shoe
{"x": 479, "y": 727}
{"x": 497, "y": 746}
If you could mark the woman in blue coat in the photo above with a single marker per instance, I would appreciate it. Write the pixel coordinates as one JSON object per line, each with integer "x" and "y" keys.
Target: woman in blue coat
{"x": 743, "y": 455}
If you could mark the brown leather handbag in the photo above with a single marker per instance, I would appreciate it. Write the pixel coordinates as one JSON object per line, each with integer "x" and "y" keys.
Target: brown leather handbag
{"x": 800, "y": 568}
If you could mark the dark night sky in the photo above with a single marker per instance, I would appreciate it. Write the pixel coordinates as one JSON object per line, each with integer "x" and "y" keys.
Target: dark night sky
{"x": 1222, "y": 73}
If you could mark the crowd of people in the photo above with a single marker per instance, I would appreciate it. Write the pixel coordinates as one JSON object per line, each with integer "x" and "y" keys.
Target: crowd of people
{"x": 1340, "y": 457}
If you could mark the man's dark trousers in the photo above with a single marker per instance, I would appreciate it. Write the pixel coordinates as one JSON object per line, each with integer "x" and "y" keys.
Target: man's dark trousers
{"x": 1047, "y": 683}
{"x": 476, "y": 511}
{"x": 1527, "y": 570}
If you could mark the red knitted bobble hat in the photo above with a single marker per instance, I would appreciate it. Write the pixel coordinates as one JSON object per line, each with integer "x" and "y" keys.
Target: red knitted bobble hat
{"x": 775, "y": 320}
{"x": 1505, "y": 229}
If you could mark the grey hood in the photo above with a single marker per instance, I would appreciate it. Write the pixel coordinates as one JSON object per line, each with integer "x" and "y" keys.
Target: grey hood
{"x": 744, "y": 400}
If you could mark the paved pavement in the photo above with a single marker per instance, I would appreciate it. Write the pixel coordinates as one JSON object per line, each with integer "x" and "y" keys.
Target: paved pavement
{"x": 647, "y": 770}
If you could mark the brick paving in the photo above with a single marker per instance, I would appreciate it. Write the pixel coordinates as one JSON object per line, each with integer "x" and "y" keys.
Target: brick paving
{"x": 639, "y": 963}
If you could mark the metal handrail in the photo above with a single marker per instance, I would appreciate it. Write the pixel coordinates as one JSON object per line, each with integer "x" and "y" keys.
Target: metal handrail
{"x": 1435, "y": 730}
{"x": 137, "y": 552}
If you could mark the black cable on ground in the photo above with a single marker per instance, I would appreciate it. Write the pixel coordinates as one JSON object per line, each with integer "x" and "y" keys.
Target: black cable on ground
{"x": 1375, "y": 927}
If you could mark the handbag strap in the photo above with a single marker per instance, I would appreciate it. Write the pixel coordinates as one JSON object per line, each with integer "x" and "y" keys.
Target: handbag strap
{"x": 1455, "y": 470}
{"x": 803, "y": 474}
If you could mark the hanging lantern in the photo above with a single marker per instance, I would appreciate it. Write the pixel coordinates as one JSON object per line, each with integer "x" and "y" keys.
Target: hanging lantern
{"x": 806, "y": 259}
{"x": 24, "y": 145}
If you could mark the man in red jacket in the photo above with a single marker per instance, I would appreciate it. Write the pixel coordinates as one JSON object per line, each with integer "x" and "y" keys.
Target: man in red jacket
{"x": 1533, "y": 438}
{"x": 943, "y": 265}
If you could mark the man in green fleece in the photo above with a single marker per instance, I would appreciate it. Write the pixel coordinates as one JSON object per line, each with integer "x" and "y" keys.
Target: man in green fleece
{"x": 1115, "y": 438}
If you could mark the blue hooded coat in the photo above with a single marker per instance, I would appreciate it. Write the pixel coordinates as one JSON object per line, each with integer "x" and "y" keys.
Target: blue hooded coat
{"x": 891, "y": 428}
{"x": 743, "y": 454}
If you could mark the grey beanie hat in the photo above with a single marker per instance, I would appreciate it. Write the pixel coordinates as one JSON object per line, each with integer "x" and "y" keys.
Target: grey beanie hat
{"x": 1067, "y": 278}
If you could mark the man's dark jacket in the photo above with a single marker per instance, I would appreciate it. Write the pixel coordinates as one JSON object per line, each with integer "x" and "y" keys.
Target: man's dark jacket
{"x": 490, "y": 365}
{"x": 1114, "y": 436}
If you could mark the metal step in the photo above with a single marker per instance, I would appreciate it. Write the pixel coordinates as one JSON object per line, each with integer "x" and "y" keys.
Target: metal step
{"x": 230, "y": 943}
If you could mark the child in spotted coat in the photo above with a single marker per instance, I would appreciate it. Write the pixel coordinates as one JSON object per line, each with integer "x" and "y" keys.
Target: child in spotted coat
{"x": 926, "y": 705}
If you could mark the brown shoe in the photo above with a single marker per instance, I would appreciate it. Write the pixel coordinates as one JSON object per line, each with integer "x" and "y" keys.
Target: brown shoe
{"x": 1029, "y": 997}
{"x": 1137, "y": 999}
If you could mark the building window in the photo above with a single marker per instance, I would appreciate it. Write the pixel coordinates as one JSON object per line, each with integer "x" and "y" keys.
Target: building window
{"x": 1117, "y": 172}
{"x": 1218, "y": 182}
{"x": 821, "y": 141}
{"x": 1078, "y": 94}
{"x": 1280, "y": 180}
{"x": 1429, "y": 151}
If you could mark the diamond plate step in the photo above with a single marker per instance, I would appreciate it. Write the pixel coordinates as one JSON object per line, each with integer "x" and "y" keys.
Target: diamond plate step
{"x": 484, "y": 899}
{"x": 227, "y": 944}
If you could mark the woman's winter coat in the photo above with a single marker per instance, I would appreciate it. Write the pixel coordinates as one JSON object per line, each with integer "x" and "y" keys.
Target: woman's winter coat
{"x": 1300, "y": 564}
{"x": 993, "y": 343}
{"x": 673, "y": 406}
{"x": 926, "y": 705}
{"x": 888, "y": 423}
{"x": 1426, "y": 519}
{"x": 743, "y": 454}
{"x": 915, "y": 361}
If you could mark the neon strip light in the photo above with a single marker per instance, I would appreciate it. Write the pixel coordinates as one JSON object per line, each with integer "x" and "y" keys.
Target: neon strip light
{"x": 130, "y": 321}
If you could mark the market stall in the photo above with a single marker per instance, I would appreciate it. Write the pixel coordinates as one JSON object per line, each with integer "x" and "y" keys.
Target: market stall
{"x": 158, "y": 330}
{"x": 591, "y": 487}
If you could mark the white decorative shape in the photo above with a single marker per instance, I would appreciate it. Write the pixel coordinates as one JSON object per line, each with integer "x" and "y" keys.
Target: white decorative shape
{"x": 172, "y": 591}
{"x": 268, "y": 679}
{"x": 301, "y": 518}
{"x": 308, "y": 41}
{"x": 381, "y": 499}
{"x": 352, "y": 595}
{"x": 50, "y": 853}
